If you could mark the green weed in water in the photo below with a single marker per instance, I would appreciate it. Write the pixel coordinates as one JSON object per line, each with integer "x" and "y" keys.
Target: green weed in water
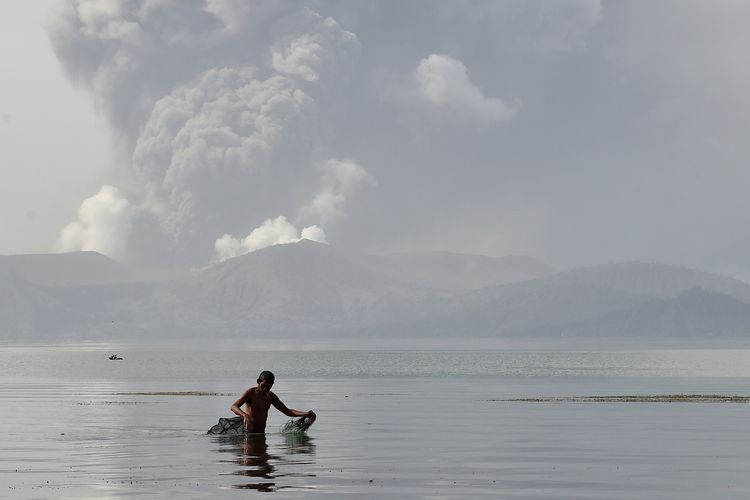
{"x": 291, "y": 427}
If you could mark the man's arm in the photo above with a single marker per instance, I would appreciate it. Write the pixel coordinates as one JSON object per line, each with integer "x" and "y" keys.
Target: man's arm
{"x": 289, "y": 412}
{"x": 237, "y": 409}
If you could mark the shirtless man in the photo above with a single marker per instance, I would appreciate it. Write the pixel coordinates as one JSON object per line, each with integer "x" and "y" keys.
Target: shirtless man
{"x": 258, "y": 400}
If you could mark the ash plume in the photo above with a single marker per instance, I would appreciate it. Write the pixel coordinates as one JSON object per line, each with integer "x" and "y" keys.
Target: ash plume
{"x": 236, "y": 116}
{"x": 217, "y": 103}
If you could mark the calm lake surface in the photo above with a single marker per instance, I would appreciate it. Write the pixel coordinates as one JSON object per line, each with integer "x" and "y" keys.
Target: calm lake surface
{"x": 392, "y": 423}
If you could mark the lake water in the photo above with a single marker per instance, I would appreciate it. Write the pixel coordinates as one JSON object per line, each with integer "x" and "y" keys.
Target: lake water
{"x": 392, "y": 423}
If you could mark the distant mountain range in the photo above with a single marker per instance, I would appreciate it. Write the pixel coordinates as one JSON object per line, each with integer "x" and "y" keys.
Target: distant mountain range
{"x": 65, "y": 269}
{"x": 311, "y": 289}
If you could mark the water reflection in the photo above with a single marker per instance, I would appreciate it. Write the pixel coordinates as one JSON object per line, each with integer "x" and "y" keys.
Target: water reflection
{"x": 289, "y": 458}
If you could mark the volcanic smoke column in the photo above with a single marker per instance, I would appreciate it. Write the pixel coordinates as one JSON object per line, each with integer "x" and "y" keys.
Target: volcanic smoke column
{"x": 218, "y": 107}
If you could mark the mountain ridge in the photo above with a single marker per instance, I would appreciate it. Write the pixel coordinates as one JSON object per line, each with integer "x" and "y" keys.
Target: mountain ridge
{"x": 314, "y": 289}
{"x": 66, "y": 269}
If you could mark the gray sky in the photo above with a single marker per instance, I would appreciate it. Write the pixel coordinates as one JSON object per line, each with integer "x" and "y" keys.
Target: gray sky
{"x": 577, "y": 132}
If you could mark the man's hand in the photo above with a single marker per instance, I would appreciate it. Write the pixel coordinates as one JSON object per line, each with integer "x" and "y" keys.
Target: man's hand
{"x": 311, "y": 414}
{"x": 248, "y": 422}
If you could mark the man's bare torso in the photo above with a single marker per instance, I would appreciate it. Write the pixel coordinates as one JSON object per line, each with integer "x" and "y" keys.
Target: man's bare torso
{"x": 257, "y": 405}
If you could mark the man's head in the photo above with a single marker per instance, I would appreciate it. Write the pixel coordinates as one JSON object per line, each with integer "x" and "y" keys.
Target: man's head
{"x": 265, "y": 381}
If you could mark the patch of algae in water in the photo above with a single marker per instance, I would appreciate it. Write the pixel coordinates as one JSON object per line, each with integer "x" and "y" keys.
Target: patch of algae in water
{"x": 110, "y": 403}
{"x": 638, "y": 398}
{"x": 173, "y": 393}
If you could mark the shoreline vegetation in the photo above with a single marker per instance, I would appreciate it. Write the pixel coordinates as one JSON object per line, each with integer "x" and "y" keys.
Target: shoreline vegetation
{"x": 636, "y": 398}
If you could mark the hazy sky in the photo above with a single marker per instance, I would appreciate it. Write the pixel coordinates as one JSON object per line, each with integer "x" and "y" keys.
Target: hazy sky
{"x": 165, "y": 132}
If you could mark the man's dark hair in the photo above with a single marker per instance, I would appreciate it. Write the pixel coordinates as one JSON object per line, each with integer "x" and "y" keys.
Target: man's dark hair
{"x": 267, "y": 376}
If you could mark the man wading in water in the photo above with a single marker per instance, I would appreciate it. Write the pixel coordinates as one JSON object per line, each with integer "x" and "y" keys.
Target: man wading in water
{"x": 258, "y": 400}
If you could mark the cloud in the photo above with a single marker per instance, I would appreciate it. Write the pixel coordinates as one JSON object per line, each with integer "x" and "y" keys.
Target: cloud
{"x": 103, "y": 225}
{"x": 131, "y": 53}
{"x": 339, "y": 179}
{"x": 217, "y": 131}
{"x": 443, "y": 82}
{"x": 308, "y": 54}
{"x": 104, "y": 20}
{"x": 234, "y": 14}
{"x": 299, "y": 57}
{"x": 278, "y": 231}
{"x": 313, "y": 233}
